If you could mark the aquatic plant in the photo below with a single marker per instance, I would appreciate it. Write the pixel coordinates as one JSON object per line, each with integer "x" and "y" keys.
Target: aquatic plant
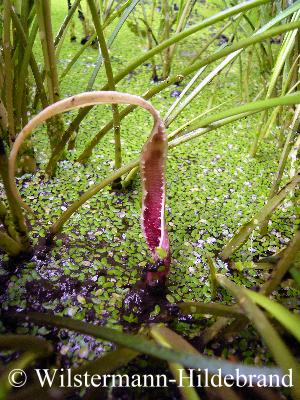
{"x": 153, "y": 159}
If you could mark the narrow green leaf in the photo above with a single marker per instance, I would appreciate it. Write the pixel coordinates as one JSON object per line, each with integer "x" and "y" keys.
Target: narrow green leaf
{"x": 288, "y": 319}
{"x": 278, "y": 348}
{"x": 21, "y": 363}
{"x": 245, "y": 231}
{"x": 25, "y": 343}
{"x": 167, "y": 338}
{"x": 145, "y": 346}
{"x": 101, "y": 366}
{"x": 110, "y": 41}
{"x": 216, "y": 309}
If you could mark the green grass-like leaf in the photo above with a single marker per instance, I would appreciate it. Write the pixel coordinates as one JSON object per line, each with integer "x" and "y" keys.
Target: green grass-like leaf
{"x": 288, "y": 319}
{"x": 145, "y": 346}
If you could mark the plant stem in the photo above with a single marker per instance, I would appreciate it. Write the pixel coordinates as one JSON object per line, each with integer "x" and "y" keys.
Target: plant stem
{"x": 216, "y": 309}
{"x": 107, "y": 363}
{"x": 15, "y": 209}
{"x": 212, "y": 276}
{"x": 184, "y": 103}
{"x": 3, "y": 118}
{"x": 57, "y": 226}
{"x": 21, "y": 363}
{"x": 76, "y": 56}
{"x": 44, "y": 17}
{"x": 65, "y": 23}
{"x": 20, "y": 89}
{"x": 166, "y": 34}
{"x": 283, "y": 264}
{"x": 287, "y": 318}
{"x": 167, "y": 338}
{"x": 25, "y": 343}
{"x": 213, "y": 38}
{"x": 244, "y": 232}
{"x": 214, "y": 330}
{"x": 283, "y": 55}
{"x": 130, "y": 177}
{"x": 8, "y": 69}
{"x": 186, "y": 11}
{"x": 216, "y": 120}
{"x": 34, "y": 67}
{"x": 9, "y": 245}
{"x": 280, "y": 351}
{"x": 110, "y": 81}
{"x": 276, "y": 182}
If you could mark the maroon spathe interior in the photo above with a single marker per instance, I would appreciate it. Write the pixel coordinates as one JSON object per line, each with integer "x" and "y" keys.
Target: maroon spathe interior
{"x": 153, "y": 202}
{"x": 153, "y": 165}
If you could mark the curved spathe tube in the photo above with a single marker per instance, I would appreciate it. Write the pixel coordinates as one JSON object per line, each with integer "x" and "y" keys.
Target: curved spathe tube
{"x": 153, "y": 160}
